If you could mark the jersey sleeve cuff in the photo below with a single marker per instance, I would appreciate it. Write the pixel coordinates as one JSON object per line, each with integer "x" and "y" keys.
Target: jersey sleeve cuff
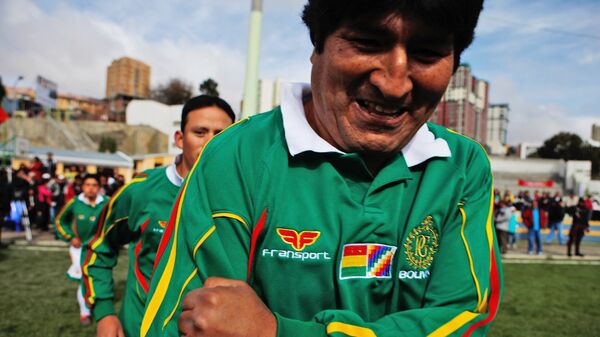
{"x": 287, "y": 327}
{"x": 103, "y": 308}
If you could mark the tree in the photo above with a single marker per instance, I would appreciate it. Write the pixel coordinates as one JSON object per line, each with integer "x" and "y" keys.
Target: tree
{"x": 107, "y": 144}
{"x": 176, "y": 91}
{"x": 209, "y": 87}
{"x": 569, "y": 146}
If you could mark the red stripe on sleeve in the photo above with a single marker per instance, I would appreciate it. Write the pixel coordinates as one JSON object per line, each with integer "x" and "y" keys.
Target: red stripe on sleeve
{"x": 494, "y": 298}
{"x": 86, "y": 281}
{"x": 255, "y": 233}
{"x": 164, "y": 241}
{"x": 138, "y": 273}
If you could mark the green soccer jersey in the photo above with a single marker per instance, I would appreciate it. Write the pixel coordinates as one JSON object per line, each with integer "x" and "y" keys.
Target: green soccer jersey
{"x": 137, "y": 215}
{"x": 332, "y": 249}
{"x": 78, "y": 218}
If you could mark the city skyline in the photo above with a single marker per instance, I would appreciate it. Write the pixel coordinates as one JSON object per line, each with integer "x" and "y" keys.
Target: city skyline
{"x": 540, "y": 57}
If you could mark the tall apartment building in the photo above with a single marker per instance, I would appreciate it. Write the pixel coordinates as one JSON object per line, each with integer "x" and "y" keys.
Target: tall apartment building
{"x": 464, "y": 106}
{"x": 596, "y": 132}
{"x": 497, "y": 128}
{"x": 128, "y": 77}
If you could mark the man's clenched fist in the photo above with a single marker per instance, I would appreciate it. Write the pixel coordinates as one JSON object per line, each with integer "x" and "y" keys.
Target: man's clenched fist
{"x": 225, "y": 308}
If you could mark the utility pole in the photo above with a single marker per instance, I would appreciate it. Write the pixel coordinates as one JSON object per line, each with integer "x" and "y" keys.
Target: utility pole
{"x": 249, "y": 105}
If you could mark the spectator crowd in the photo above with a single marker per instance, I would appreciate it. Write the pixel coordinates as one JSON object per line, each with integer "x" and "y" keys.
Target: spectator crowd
{"x": 539, "y": 211}
{"x": 38, "y": 193}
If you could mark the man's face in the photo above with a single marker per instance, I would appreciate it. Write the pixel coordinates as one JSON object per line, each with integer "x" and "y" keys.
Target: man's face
{"x": 375, "y": 84}
{"x": 90, "y": 188}
{"x": 202, "y": 124}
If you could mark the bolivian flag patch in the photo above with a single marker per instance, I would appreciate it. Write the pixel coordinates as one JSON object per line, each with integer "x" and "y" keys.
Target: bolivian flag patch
{"x": 366, "y": 260}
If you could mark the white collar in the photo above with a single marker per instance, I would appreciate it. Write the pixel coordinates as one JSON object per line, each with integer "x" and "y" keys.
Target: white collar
{"x": 172, "y": 174}
{"x": 82, "y": 198}
{"x": 301, "y": 137}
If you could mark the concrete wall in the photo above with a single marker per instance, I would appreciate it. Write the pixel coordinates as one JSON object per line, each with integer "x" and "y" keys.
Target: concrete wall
{"x": 86, "y": 135}
{"x": 166, "y": 118}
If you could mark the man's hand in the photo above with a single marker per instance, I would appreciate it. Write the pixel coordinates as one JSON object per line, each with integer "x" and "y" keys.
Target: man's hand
{"x": 76, "y": 242}
{"x": 109, "y": 326}
{"x": 225, "y": 308}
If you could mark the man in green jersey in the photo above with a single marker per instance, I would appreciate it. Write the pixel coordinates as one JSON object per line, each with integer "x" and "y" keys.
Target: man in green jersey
{"x": 343, "y": 212}
{"x": 137, "y": 216}
{"x": 76, "y": 224}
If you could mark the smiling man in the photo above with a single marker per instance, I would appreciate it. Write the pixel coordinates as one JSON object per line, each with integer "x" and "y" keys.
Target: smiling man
{"x": 342, "y": 212}
{"x": 137, "y": 215}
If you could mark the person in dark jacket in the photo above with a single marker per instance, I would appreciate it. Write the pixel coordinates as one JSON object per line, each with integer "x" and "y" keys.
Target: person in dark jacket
{"x": 5, "y": 196}
{"x": 556, "y": 214}
{"x": 580, "y": 226}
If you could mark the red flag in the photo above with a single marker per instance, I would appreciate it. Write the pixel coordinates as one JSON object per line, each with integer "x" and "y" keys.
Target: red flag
{"x": 3, "y": 115}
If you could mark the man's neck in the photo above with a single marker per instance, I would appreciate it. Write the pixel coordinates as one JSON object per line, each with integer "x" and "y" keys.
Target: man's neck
{"x": 91, "y": 201}
{"x": 181, "y": 168}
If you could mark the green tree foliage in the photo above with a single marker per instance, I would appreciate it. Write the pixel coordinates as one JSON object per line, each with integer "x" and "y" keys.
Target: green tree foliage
{"x": 209, "y": 87}
{"x": 107, "y": 144}
{"x": 176, "y": 91}
{"x": 569, "y": 146}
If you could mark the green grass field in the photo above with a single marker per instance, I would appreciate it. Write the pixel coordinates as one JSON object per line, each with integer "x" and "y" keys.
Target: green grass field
{"x": 36, "y": 299}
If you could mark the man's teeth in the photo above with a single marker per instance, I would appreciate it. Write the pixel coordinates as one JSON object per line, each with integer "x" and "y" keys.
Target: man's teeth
{"x": 376, "y": 108}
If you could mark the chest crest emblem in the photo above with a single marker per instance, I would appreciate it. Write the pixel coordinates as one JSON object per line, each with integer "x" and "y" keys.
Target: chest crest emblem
{"x": 421, "y": 244}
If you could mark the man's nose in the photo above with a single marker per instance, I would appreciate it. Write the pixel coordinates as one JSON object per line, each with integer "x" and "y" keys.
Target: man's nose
{"x": 392, "y": 76}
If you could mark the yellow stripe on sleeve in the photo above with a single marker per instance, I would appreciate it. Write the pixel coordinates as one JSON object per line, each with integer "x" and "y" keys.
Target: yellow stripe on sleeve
{"x": 187, "y": 281}
{"x": 462, "y": 234}
{"x": 231, "y": 216}
{"x": 455, "y": 324}
{"x": 57, "y": 222}
{"x": 349, "y": 330}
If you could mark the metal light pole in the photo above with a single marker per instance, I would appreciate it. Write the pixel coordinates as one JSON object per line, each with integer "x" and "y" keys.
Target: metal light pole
{"x": 251, "y": 83}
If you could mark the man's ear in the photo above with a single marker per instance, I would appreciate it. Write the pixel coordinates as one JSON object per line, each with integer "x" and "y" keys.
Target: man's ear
{"x": 313, "y": 55}
{"x": 178, "y": 136}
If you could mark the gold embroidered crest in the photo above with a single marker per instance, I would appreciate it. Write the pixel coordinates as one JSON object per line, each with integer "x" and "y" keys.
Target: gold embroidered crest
{"x": 421, "y": 244}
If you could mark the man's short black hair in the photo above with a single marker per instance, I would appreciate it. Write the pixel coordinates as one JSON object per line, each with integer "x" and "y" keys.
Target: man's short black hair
{"x": 458, "y": 17}
{"x": 91, "y": 176}
{"x": 204, "y": 101}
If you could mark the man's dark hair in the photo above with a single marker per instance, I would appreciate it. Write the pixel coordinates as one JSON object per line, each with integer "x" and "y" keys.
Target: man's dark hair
{"x": 458, "y": 17}
{"x": 91, "y": 176}
{"x": 204, "y": 101}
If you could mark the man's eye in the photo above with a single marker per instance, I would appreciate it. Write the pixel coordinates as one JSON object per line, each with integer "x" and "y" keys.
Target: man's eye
{"x": 428, "y": 55}
{"x": 367, "y": 44}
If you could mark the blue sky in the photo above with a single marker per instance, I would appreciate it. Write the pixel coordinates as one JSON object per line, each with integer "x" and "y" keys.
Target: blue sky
{"x": 542, "y": 57}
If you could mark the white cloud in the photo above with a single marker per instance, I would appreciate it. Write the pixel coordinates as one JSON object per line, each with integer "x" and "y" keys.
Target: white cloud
{"x": 74, "y": 48}
{"x": 533, "y": 123}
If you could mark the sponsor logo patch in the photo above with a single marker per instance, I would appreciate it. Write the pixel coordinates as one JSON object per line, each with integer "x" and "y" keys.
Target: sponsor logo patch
{"x": 92, "y": 218}
{"x": 366, "y": 260}
{"x": 162, "y": 223}
{"x": 421, "y": 244}
{"x": 298, "y": 241}
{"x": 81, "y": 217}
